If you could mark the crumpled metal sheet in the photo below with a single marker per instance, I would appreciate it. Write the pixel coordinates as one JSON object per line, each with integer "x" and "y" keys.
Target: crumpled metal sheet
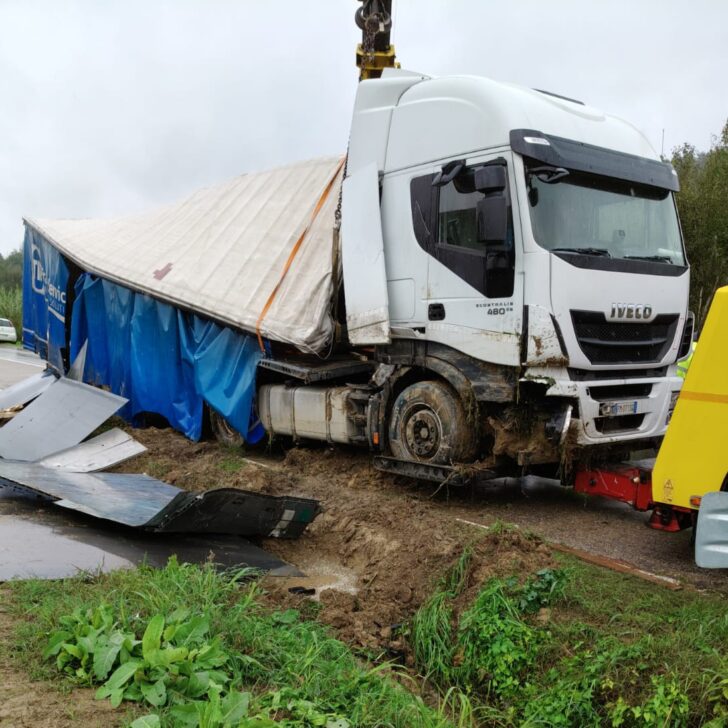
{"x": 62, "y": 416}
{"x": 144, "y": 502}
{"x": 26, "y": 389}
{"x": 103, "y": 451}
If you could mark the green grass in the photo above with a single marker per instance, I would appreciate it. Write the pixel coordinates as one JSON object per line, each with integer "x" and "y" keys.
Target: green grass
{"x": 11, "y": 306}
{"x": 574, "y": 646}
{"x": 579, "y": 646}
{"x": 296, "y": 672}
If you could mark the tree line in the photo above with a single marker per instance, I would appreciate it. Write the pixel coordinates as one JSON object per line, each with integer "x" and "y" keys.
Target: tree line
{"x": 702, "y": 203}
{"x": 703, "y": 206}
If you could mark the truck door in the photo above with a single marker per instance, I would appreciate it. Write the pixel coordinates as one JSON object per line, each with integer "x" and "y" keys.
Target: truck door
{"x": 474, "y": 295}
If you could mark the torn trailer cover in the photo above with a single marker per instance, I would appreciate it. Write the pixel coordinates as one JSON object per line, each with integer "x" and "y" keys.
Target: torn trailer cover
{"x": 220, "y": 253}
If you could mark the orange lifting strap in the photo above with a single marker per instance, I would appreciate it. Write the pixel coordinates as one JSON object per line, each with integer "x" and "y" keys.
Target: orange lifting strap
{"x": 294, "y": 251}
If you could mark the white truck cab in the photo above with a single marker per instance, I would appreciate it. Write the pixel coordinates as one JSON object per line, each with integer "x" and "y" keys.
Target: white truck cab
{"x": 525, "y": 231}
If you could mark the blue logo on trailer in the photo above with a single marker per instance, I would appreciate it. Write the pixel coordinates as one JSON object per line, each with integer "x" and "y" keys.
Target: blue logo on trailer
{"x": 45, "y": 282}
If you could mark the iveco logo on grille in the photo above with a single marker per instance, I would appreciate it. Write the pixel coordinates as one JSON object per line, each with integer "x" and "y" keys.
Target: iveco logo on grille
{"x": 630, "y": 311}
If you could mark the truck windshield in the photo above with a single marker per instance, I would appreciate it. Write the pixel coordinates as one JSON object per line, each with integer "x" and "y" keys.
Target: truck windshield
{"x": 602, "y": 216}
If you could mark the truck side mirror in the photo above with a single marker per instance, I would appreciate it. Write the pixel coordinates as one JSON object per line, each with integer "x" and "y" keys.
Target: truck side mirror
{"x": 492, "y": 218}
{"x": 448, "y": 173}
{"x": 490, "y": 178}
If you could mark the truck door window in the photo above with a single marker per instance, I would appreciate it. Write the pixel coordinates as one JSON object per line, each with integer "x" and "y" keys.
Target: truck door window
{"x": 456, "y": 218}
{"x": 445, "y": 225}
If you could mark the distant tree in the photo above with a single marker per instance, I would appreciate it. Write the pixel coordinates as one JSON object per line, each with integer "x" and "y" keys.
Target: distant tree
{"x": 11, "y": 270}
{"x": 703, "y": 206}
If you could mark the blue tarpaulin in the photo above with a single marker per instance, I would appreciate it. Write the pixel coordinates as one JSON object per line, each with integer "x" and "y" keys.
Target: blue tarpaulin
{"x": 45, "y": 280}
{"x": 164, "y": 360}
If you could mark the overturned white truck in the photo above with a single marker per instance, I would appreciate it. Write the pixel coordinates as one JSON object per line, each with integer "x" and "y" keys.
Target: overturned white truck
{"x": 502, "y": 280}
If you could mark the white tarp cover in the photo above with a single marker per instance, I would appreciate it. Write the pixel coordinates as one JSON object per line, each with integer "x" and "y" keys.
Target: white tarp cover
{"x": 221, "y": 252}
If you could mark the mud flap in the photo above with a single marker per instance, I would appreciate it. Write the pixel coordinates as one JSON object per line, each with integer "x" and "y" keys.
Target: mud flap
{"x": 711, "y": 534}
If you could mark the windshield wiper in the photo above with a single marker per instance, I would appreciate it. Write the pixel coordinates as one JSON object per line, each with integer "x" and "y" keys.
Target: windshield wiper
{"x": 656, "y": 258}
{"x": 583, "y": 251}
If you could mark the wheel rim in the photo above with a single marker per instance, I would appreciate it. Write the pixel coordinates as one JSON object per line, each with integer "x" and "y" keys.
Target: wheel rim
{"x": 422, "y": 432}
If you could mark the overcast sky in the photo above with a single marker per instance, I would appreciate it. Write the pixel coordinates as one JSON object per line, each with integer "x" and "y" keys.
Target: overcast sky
{"x": 112, "y": 107}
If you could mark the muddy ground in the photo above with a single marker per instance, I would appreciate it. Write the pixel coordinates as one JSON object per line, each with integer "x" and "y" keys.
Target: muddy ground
{"x": 374, "y": 552}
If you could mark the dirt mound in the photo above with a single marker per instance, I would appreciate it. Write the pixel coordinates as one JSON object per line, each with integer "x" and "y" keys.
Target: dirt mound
{"x": 374, "y": 554}
{"x": 200, "y": 466}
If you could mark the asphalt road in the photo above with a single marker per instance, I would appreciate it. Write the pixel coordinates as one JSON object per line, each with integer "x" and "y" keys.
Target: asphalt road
{"x": 17, "y": 364}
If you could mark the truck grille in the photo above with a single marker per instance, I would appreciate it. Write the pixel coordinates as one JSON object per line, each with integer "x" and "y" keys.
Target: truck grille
{"x": 622, "y": 342}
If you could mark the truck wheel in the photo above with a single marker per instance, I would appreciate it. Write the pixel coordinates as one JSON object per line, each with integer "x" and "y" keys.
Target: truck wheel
{"x": 224, "y": 433}
{"x": 428, "y": 424}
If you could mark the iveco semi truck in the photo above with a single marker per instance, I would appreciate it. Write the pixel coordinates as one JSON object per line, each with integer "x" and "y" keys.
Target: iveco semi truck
{"x": 515, "y": 284}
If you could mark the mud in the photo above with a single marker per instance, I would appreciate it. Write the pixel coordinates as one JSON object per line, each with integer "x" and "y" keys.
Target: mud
{"x": 381, "y": 544}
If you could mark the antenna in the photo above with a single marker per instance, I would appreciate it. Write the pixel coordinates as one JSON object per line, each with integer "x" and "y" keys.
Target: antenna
{"x": 662, "y": 146}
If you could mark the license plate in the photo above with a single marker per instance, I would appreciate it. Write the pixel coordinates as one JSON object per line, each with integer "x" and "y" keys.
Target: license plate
{"x": 615, "y": 409}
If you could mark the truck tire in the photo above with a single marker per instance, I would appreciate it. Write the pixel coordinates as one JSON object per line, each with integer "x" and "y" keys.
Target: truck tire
{"x": 428, "y": 424}
{"x": 224, "y": 433}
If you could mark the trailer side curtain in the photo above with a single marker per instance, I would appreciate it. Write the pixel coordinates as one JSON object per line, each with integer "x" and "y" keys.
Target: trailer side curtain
{"x": 45, "y": 278}
{"x": 164, "y": 360}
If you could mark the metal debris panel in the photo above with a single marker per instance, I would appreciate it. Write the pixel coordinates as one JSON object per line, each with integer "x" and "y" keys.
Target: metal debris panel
{"x": 103, "y": 451}
{"x": 26, "y": 389}
{"x": 132, "y": 500}
{"x": 62, "y": 416}
{"x": 144, "y": 502}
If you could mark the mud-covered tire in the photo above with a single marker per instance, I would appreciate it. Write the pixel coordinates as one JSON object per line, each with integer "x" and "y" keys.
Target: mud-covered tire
{"x": 224, "y": 433}
{"x": 428, "y": 423}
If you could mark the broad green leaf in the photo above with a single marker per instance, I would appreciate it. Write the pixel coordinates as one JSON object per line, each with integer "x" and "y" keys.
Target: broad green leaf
{"x": 179, "y": 615}
{"x": 155, "y": 693}
{"x": 147, "y": 721}
{"x": 197, "y": 684}
{"x": 234, "y": 707}
{"x": 116, "y": 697}
{"x": 72, "y": 649}
{"x": 170, "y": 654}
{"x": 54, "y": 644}
{"x": 192, "y": 631}
{"x": 133, "y": 692}
{"x": 104, "y": 659}
{"x": 102, "y": 692}
{"x": 152, "y": 638}
{"x": 185, "y": 715}
{"x": 122, "y": 674}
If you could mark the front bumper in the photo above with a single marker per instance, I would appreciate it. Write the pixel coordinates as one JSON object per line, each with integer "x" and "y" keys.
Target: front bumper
{"x": 642, "y": 404}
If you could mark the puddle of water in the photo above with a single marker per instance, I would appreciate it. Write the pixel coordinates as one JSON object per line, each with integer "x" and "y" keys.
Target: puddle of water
{"x": 322, "y": 575}
{"x": 38, "y": 540}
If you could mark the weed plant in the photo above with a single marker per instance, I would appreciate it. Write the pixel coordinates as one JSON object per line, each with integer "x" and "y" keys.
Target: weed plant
{"x": 576, "y": 647}
{"x": 194, "y": 647}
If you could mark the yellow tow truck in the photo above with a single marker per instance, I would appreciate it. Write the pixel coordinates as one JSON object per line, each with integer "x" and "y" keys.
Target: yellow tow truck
{"x": 687, "y": 484}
